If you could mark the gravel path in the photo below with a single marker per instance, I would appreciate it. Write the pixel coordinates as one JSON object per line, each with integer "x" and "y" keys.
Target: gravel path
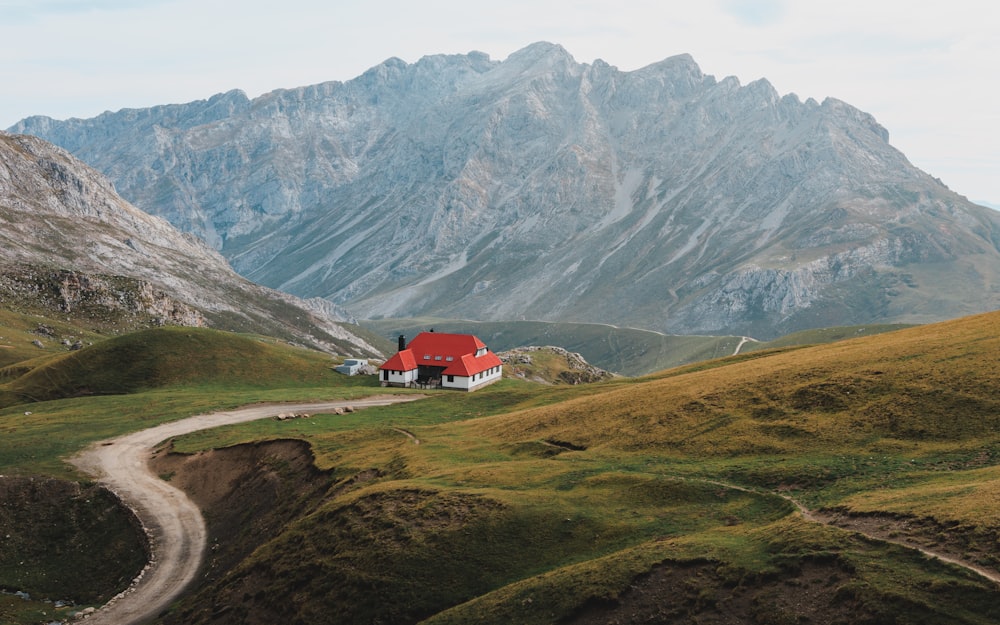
{"x": 174, "y": 525}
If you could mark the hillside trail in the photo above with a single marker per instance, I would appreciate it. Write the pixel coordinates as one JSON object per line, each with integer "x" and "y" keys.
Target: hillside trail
{"x": 172, "y": 522}
{"x": 743, "y": 341}
{"x": 814, "y": 516}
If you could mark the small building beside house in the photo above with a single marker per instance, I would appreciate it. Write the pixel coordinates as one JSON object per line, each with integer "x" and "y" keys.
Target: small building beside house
{"x": 441, "y": 360}
{"x": 351, "y": 366}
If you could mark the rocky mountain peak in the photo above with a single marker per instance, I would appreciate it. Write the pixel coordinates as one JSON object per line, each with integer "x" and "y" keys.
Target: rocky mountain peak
{"x": 866, "y": 120}
{"x": 541, "y": 53}
{"x": 763, "y": 91}
{"x": 678, "y": 68}
{"x": 385, "y": 72}
{"x": 538, "y": 187}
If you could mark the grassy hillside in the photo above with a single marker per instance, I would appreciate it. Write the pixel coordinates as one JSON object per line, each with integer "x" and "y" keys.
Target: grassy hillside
{"x": 667, "y": 498}
{"x": 19, "y": 333}
{"x": 823, "y": 335}
{"x": 515, "y": 505}
{"x": 626, "y": 351}
{"x": 162, "y": 357}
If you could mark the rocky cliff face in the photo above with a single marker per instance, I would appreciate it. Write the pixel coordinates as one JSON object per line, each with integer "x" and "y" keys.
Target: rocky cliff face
{"x": 70, "y": 244}
{"x": 543, "y": 188}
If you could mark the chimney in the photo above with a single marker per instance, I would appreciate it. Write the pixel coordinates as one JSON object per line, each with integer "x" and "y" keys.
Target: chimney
{"x": 402, "y": 342}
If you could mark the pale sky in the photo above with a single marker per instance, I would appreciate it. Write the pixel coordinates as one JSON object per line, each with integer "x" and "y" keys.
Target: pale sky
{"x": 927, "y": 71}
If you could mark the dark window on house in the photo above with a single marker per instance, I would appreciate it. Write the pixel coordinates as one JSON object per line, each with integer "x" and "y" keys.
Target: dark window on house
{"x": 385, "y": 374}
{"x": 451, "y": 378}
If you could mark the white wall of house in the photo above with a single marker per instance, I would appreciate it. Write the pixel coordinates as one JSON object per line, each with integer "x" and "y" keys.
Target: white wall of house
{"x": 477, "y": 381}
{"x": 397, "y": 378}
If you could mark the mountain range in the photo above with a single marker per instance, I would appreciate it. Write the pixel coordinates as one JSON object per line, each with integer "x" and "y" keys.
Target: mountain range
{"x": 542, "y": 188}
{"x": 70, "y": 245}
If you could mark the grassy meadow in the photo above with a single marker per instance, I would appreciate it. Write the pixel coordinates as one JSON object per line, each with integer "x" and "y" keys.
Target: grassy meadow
{"x": 524, "y": 503}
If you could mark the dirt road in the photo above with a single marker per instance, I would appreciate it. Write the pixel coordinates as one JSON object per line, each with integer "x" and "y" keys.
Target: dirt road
{"x": 173, "y": 523}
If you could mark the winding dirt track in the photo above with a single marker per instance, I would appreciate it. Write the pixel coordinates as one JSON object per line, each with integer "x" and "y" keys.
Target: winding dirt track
{"x": 817, "y": 517}
{"x": 173, "y": 523}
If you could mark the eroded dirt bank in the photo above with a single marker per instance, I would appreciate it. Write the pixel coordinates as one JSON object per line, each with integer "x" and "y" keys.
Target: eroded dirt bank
{"x": 247, "y": 494}
{"x": 700, "y": 592}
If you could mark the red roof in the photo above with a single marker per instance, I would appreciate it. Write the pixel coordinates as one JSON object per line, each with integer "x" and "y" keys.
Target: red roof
{"x": 402, "y": 361}
{"x": 455, "y": 352}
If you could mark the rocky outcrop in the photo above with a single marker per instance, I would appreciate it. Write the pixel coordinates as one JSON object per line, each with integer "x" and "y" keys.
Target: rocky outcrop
{"x": 543, "y": 188}
{"x": 113, "y": 300}
{"x": 551, "y": 365}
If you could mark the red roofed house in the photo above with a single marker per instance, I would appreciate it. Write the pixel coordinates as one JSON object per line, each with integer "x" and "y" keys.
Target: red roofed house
{"x": 437, "y": 359}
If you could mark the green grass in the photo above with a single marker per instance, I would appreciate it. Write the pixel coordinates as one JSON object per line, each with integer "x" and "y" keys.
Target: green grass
{"x": 166, "y": 357}
{"x": 522, "y": 503}
{"x": 438, "y": 407}
{"x": 475, "y": 537}
{"x": 37, "y": 437}
{"x": 738, "y": 560}
{"x": 18, "y": 331}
